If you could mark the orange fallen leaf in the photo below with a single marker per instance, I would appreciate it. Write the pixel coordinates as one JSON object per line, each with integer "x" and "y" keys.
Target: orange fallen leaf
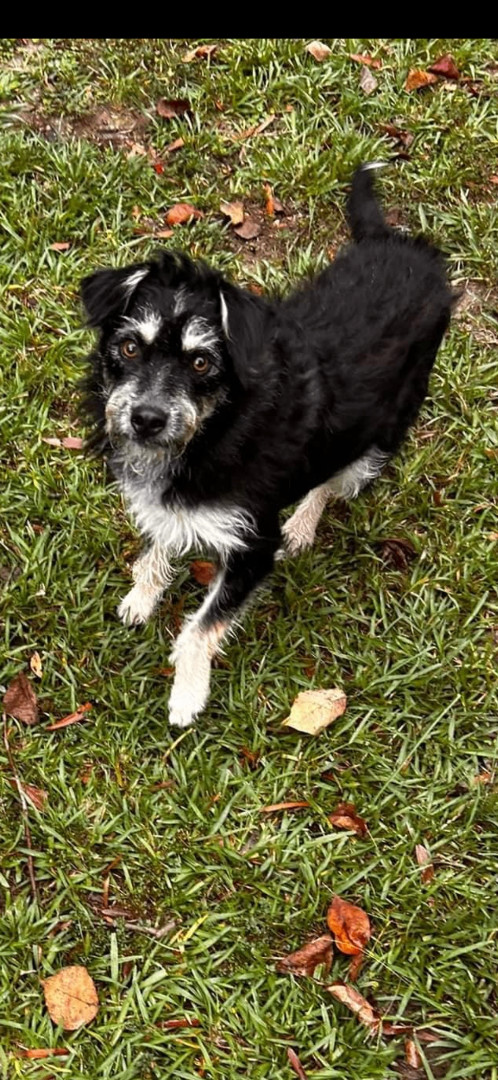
{"x": 182, "y": 212}
{"x": 396, "y": 1029}
{"x": 73, "y": 718}
{"x": 36, "y": 665}
{"x": 163, "y": 234}
{"x": 270, "y": 202}
{"x": 349, "y": 996}
{"x": 38, "y": 1053}
{"x": 203, "y": 571}
{"x": 345, "y": 817}
{"x": 350, "y": 926}
{"x": 318, "y": 50}
{"x": 304, "y": 961}
{"x": 412, "y": 1055}
{"x": 170, "y": 107}
{"x": 484, "y": 777}
{"x": 62, "y": 245}
{"x": 71, "y": 997}
{"x": 233, "y": 210}
{"x": 368, "y": 61}
{"x": 20, "y": 700}
{"x": 493, "y": 180}
{"x": 295, "y": 1063}
{"x": 292, "y": 805}
{"x": 199, "y": 53}
{"x": 248, "y": 230}
{"x": 175, "y": 145}
{"x": 416, "y": 79}
{"x": 446, "y": 67}
{"x": 424, "y": 859}
{"x": 313, "y": 710}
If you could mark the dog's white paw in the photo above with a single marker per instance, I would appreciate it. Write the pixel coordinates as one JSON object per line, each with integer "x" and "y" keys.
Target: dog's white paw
{"x": 184, "y": 706}
{"x": 137, "y": 606}
{"x": 299, "y": 535}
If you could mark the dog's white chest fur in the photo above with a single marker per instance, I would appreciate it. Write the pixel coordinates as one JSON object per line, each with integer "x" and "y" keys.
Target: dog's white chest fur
{"x": 221, "y": 528}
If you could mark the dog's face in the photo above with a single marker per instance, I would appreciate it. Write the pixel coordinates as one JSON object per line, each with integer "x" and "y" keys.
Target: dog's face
{"x": 165, "y": 365}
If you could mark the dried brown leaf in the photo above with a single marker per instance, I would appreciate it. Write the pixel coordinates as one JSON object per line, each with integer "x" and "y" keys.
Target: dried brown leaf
{"x": 446, "y": 67}
{"x": 297, "y": 804}
{"x": 203, "y": 571}
{"x": 36, "y": 665}
{"x": 368, "y": 82}
{"x": 424, "y": 859}
{"x": 199, "y": 53}
{"x": 60, "y": 245}
{"x": 295, "y": 1063}
{"x": 73, "y": 718}
{"x": 163, "y": 234}
{"x": 248, "y": 230}
{"x": 400, "y": 134}
{"x": 233, "y": 210}
{"x": 20, "y": 700}
{"x": 182, "y": 1022}
{"x": 318, "y": 50}
{"x": 350, "y": 926}
{"x": 182, "y": 212}
{"x": 304, "y": 961}
{"x": 170, "y": 107}
{"x": 70, "y": 442}
{"x": 175, "y": 145}
{"x": 417, "y": 80}
{"x": 313, "y": 710}
{"x": 355, "y": 1001}
{"x": 396, "y": 1029}
{"x": 412, "y": 1055}
{"x": 256, "y": 129}
{"x": 368, "y": 61}
{"x": 249, "y": 757}
{"x": 37, "y": 796}
{"x": 397, "y": 552}
{"x": 345, "y": 817}
{"x": 355, "y": 965}
{"x": 71, "y": 997}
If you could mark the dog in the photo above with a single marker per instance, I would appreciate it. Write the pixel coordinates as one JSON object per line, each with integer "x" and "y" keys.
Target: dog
{"x": 218, "y": 408}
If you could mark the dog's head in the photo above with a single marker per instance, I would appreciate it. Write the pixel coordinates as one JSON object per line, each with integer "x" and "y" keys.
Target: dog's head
{"x": 177, "y": 343}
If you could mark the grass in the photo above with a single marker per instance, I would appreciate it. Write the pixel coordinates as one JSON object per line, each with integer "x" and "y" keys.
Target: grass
{"x": 414, "y": 646}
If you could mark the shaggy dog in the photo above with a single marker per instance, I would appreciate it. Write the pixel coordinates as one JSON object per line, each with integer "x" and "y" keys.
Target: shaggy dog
{"x": 218, "y": 408}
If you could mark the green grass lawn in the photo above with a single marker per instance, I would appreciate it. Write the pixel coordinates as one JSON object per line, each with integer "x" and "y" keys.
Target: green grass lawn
{"x": 170, "y": 828}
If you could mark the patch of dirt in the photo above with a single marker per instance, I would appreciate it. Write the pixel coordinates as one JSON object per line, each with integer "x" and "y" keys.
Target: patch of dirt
{"x": 272, "y": 242}
{"x": 475, "y": 310}
{"x": 107, "y": 125}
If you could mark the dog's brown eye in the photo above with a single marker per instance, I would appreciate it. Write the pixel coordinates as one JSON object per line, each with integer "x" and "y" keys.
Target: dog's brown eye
{"x": 201, "y": 365}
{"x": 129, "y": 349}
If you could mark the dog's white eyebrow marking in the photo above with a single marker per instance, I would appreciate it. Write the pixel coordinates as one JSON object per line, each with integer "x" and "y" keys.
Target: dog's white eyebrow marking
{"x": 224, "y": 315}
{"x": 180, "y": 303}
{"x": 133, "y": 281}
{"x": 198, "y": 334}
{"x": 147, "y": 323}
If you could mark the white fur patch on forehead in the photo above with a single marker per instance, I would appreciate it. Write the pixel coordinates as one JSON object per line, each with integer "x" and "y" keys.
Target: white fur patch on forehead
{"x": 224, "y": 314}
{"x": 147, "y": 323}
{"x": 181, "y": 301}
{"x": 133, "y": 281}
{"x": 198, "y": 334}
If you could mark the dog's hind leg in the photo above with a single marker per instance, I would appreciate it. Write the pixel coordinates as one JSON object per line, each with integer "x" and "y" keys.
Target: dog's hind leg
{"x": 299, "y": 531}
{"x": 201, "y": 636}
{"x": 152, "y": 573}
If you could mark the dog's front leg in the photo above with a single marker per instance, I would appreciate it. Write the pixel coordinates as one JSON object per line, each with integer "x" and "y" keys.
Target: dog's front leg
{"x": 201, "y": 636}
{"x": 152, "y": 573}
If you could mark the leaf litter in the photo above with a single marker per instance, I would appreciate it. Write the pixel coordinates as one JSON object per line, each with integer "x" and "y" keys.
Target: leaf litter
{"x": 20, "y": 700}
{"x": 313, "y": 710}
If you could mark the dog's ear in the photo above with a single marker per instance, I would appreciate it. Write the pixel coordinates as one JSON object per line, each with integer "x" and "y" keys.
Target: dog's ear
{"x": 244, "y": 320}
{"x": 107, "y": 293}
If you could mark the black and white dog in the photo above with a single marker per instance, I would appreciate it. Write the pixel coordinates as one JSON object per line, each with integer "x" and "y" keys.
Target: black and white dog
{"x": 218, "y": 408}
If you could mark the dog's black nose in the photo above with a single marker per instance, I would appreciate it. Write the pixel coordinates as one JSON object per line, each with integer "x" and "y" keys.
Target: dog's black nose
{"x": 148, "y": 420}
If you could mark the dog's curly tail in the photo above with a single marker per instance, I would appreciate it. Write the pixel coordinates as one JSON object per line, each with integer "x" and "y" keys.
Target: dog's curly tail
{"x": 364, "y": 212}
